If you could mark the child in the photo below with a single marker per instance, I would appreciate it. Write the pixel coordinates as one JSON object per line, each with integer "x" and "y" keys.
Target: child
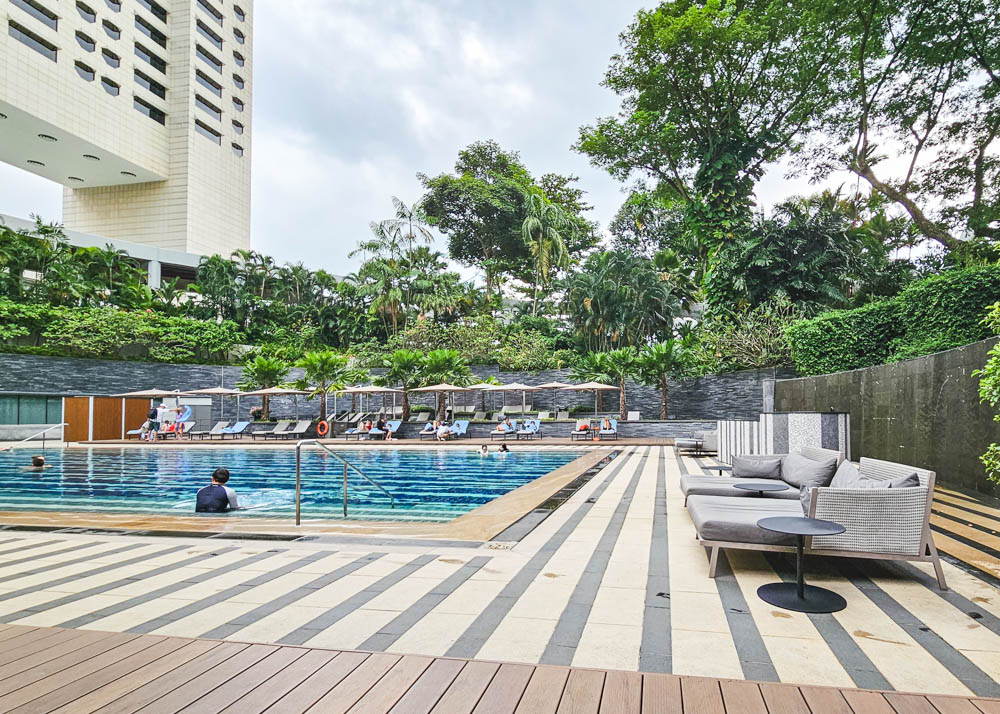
{"x": 504, "y": 451}
{"x": 484, "y": 450}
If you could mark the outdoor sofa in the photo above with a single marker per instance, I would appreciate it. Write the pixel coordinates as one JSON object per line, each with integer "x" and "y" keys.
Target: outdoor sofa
{"x": 703, "y": 442}
{"x": 884, "y": 507}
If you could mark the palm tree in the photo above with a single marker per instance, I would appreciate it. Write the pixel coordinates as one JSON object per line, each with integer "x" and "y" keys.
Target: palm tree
{"x": 325, "y": 371}
{"x": 660, "y": 361}
{"x": 404, "y": 367}
{"x": 444, "y": 366}
{"x": 261, "y": 373}
{"x": 410, "y": 225}
{"x": 592, "y": 367}
{"x": 621, "y": 364}
{"x": 542, "y": 231}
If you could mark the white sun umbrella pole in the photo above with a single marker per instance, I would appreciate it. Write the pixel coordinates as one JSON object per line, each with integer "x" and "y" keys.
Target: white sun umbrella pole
{"x": 554, "y": 386}
{"x": 594, "y": 387}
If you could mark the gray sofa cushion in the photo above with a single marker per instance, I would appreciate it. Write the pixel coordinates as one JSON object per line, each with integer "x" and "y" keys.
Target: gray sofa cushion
{"x": 735, "y": 519}
{"x": 694, "y": 484}
{"x": 756, "y": 467}
{"x": 848, "y": 476}
{"x": 798, "y": 471}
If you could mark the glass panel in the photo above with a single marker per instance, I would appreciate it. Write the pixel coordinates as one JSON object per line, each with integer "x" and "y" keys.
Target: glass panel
{"x": 32, "y": 410}
{"x": 53, "y": 410}
{"x": 8, "y": 410}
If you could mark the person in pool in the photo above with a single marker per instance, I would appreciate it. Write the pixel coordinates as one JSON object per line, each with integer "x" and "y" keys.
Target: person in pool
{"x": 217, "y": 497}
{"x": 37, "y": 463}
{"x": 504, "y": 451}
{"x": 484, "y": 450}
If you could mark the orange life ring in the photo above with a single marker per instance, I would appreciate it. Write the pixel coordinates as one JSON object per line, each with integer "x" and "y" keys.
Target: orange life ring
{"x": 322, "y": 428}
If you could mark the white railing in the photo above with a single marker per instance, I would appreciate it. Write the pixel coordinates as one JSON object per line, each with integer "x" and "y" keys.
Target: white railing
{"x": 347, "y": 465}
{"x": 42, "y": 434}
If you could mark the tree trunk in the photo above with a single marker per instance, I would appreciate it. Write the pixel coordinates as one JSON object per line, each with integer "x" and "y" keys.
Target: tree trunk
{"x": 322, "y": 403}
{"x": 354, "y": 403}
{"x": 406, "y": 404}
{"x": 265, "y": 408}
{"x": 441, "y": 406}
{"x": 663, "y": 397}
{"x": 622, "y": 406}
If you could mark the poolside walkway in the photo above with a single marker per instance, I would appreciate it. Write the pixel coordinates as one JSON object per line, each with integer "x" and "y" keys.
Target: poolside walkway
{"x": 53, "y": 670}
{"x": 613, "y": 579}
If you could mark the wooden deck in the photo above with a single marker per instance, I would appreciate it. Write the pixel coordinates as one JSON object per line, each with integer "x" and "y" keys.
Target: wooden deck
{"x": 966, "y": 526}
{"x": 79, "y": 671}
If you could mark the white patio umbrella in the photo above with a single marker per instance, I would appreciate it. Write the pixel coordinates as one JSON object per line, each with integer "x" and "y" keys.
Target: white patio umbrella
{"x": 278, "y": 392}
{"x": 150, "y": 394}
{"x": 442, "y": 387}
{"x": 517, "y": 387}
{"x": 594, "y": 387}
{"x": 220, "y": 392}
{"x": 483, "y": 387}
{"x": 553, "y": 386}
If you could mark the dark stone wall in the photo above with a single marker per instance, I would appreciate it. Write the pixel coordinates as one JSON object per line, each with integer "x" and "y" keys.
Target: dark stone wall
{"x": 924, "y": 412}
{"x": 738, "y": 395}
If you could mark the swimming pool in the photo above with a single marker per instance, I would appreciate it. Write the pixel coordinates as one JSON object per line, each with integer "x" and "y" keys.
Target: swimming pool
{"x": 428, "y": 484}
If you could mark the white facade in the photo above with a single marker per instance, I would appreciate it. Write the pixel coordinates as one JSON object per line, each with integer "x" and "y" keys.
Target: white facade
{"x": 135, "y": 107}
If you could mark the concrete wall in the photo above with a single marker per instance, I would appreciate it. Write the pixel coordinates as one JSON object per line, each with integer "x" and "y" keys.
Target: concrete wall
{"x": 736, "y": 395}
{"x": 924, "y": 412}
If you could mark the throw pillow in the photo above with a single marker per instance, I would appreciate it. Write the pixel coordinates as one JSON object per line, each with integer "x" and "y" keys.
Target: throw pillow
{"x": 805, "y": 498}
{"x": 752, "y": 467}
{"x": 798, "y": 470}
{"x": 847, "y": 475}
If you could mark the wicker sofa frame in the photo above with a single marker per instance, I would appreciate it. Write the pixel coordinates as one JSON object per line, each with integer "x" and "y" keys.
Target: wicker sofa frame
{"x": 882, "y": 524}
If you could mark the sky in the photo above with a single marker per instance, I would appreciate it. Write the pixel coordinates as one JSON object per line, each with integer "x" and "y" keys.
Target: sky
{"x": 353, "y": 98}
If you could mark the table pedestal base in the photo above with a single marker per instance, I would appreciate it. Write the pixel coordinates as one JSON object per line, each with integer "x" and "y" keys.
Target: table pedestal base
{"x": 815, "y": 600}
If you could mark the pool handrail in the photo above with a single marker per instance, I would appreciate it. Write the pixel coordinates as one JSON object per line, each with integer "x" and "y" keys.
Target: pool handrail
{"x": 42, "y": 434}
{"x": 347, "y": 464}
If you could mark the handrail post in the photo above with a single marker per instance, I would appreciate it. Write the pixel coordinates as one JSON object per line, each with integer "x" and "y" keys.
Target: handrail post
{"x": 298, "y": 483}
{"x": 345, "y": 490}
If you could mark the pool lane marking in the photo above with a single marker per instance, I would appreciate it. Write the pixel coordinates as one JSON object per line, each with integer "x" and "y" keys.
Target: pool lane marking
{"x": 230, "y": 628}
{"x": 655, "y": 653}
{"x": 48, "y": 554}
{"x": 960, "y": 666}
{"x": 321, "y": 622}
{"x": 70, "y": 578}
{"x": 121, "y": 582}
{"x": 565, "y": 638}
{"x": 486, "y": 623}
{"x": 166, "y": 590}
{"x": 199, "y": 605}
{"x": 401, "y": 624}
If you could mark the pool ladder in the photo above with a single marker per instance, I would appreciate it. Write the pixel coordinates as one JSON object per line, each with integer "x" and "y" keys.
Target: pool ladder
{"x": 347, "y": 465}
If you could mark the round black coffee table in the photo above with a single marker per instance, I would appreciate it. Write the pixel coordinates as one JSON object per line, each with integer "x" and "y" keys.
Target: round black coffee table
{"x": 761, "y": 488}
{"x": 798, "y": 596}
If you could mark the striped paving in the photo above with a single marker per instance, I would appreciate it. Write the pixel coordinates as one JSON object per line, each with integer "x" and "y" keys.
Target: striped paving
{"x": 612, "y": 579}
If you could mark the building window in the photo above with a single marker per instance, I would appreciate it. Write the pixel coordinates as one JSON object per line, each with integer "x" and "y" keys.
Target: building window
{"x": 238, "y": 103}
{"x": 208, "y": 107}
{"x": 84, "y": 71}
{"x": 237, "y": 149}
{"x": 85, "y": 42}
{"x": 208, "y": 131}
{"x": 111, "y": 29}
{"x": 114, "y": 5}
{"x": 112, "y": 88}
{"x": 144, "y": 80}
{"x": 39, "y": 12}
{"x": 207, "y": 33}
{"x": 149, "y": 110}
{"x": 237, "y": 127}
{"x": 238, "y": 81}
{"x": 22, "y": 34}
{"x": 111, "y": 58}
{"x": 16, "y": 409}
{"x": 240, "y": 15}
{"x": 86, "y": 12}
{"x": 239, "y": 59}
{"x": 154, "y": 7}
{"x": 151, "y": 32}
{"x": 216, "y": 15}
{"x": 208, "y": 83}
{"x": 142, "y": 53}
{"x": 208, "y": 58}
{"x": 240, "y": 37}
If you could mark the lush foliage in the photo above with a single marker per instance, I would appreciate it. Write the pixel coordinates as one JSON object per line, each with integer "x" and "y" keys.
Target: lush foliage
{"x": 322, "y": 372}
{"x": 989, "y": 390}
{"x": 263, "y": 373}
{"x": 931, "y": 315}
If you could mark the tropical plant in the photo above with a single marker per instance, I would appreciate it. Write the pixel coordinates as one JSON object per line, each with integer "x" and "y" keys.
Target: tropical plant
{"x": 542, "y": 230}
{"x": 441, "y": 366}
{"x": 263, "y": 373}
{"x": 658, "y": 362}
{"x": 404, "y": 368}
{"x": 324, "y": 371}
{"x": 989, "y": 390}
{"x": 621, "y": 365}
{"x": 592, "y": 367}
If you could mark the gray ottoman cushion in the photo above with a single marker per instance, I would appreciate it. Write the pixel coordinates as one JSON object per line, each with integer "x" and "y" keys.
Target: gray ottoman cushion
{"x": 798, "y": 471}
{"x": 735, "y": 519}
{"x": 694, "y": 484}
{"x": 757, "y": 467}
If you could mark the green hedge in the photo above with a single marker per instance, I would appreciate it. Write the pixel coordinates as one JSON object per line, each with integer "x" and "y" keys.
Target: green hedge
{"x": 109, "y": 333}
{"x": 931, "y": 315}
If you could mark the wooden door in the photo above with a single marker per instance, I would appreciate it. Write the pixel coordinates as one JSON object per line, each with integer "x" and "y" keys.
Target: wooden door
{"x": 135, "y": 413}
{"x": 77, "y": 412}
{"x": 107, "y": 418}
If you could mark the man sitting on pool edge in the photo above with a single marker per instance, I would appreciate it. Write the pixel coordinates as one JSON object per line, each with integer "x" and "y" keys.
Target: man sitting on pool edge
{"x": 217, "y": 497}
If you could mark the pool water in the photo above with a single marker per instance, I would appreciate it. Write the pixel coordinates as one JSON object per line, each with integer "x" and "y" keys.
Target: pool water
{"x": 428, "y": 485}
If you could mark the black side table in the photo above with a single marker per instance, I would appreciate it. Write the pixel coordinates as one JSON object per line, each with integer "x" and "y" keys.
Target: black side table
{"x": 798, "y": 596}
{"x": 721, "y": 468}
{"x": 761, "y": 488}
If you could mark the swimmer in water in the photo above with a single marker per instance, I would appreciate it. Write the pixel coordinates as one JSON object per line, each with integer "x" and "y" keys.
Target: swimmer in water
{"x": 484, "y": 450}
{"x": 37, "y": 464}
{"x": 504, "y": 451}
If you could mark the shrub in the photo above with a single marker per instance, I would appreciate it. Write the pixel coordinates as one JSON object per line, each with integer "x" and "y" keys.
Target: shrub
{"x": 938, "y": 313}
{"x": 989, "y": 391}
{"x": 733, "y": 340}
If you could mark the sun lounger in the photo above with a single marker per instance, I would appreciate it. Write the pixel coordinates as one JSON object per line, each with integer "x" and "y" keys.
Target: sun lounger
{"x": 180, "y": 431}
{"x": 215, "y": 430}
{"x": 542, "y": 415}
{"x": 634, "y": 416}
{"x": 582, "y": 430}
{"x": 236, "y": 430}
{"x": 479, "y": 416}
{"x": 278, "y": 428}
{"x": 460, "y": 428}
{"x": 611, "y": 433}
{"x": 300, "y": 429}
{"x": 135, "y": 432}
{"x": 562, "y": 416}
{"x": 530, "y": 429}
{"x": 428, "y": 432}
{"x": 503, "y": 431}
{"x": 423, "y": 416}
{"x": 393, "y": 426}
